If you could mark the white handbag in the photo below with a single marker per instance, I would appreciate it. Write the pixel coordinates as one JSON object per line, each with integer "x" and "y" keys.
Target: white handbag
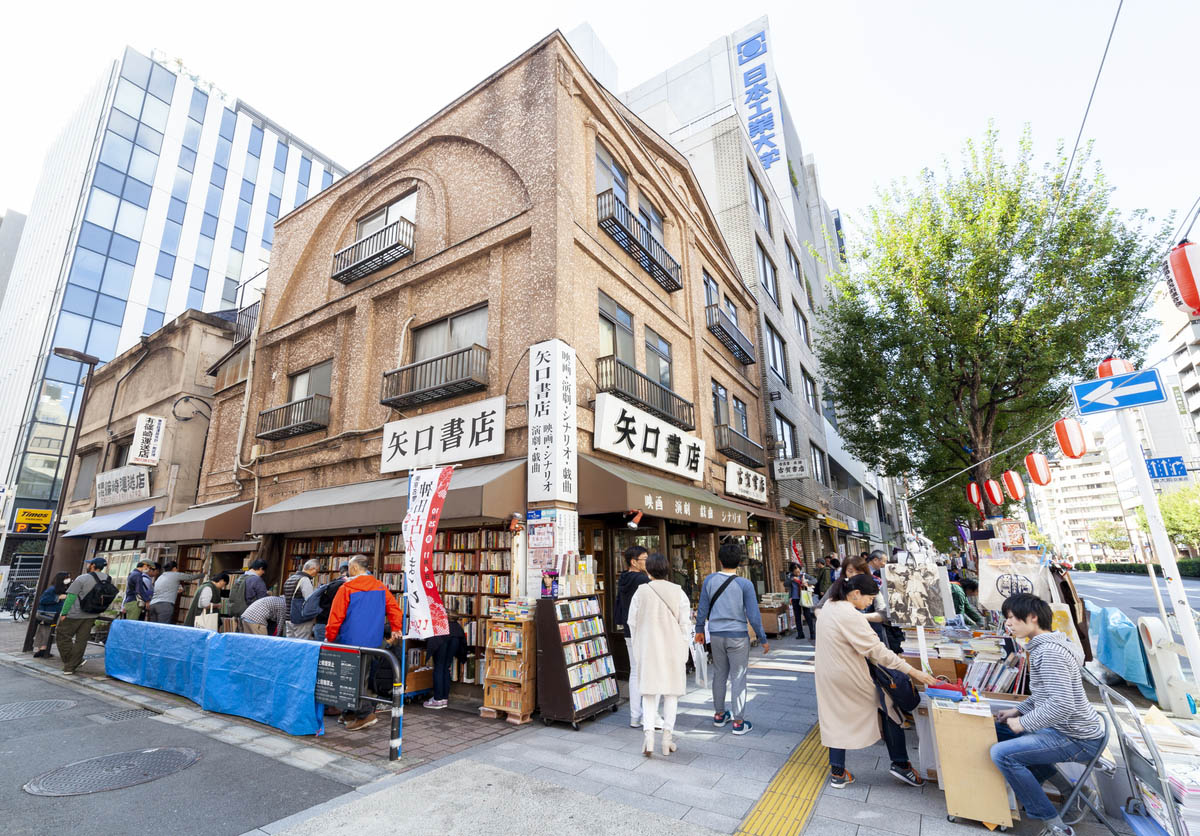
{"x": 209, "y": 619}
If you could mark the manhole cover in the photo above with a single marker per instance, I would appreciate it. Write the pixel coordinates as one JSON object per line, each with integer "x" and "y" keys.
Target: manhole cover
{"x": 112, "y": 772}
{"x": 123, "y": 715}
{"x": 32, "y": 708}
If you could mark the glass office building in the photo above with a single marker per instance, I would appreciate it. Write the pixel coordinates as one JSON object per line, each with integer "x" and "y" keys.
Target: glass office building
{"x": 160, "y": 194}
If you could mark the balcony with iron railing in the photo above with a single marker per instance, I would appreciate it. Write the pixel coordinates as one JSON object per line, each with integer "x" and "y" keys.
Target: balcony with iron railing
{"x": 630, "y": 385}
{"x": 739, "y": 448}
{"x": 725, "y": 329}
{"x": 812, "y": 490}
{"x": 374, "y": 252}
{"x": 635, "y": 238}
{"x": 296, "y": 418}
{"x": 843, "y": 504}
{"x": 444, "y": 376}
{"x": 247, "y": 320}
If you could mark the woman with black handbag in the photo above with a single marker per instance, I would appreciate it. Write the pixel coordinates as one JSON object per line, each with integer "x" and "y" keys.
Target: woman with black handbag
{"x": 848, "y": 695}
{"x": 48, "y": 608}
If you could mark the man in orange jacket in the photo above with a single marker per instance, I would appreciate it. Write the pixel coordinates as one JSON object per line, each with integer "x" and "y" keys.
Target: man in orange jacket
{"x": 360, "y": 609}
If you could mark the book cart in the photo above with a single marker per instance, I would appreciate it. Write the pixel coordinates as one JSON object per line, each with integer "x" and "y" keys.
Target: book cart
{"x": 576, "y": 677}
{"x": 510, "y": 670}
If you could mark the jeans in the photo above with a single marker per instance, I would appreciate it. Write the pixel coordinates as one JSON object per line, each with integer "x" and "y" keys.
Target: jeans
{"x": 318, "y": 632}
{"x": 441, "y": 651}
{"x": 893, "y": 738}
{"x": 1028, "y": 759}
{"x": 731, "y": 658}
{"x": 635, "y": 686}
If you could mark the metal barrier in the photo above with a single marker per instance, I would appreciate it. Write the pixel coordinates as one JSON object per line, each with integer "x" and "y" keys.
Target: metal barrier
{"x": 398, "y": 677}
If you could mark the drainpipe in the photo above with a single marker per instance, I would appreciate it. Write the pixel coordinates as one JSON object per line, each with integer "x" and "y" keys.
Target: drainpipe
{"x": 241, "y": 436}
{"x": 403, "y": 334}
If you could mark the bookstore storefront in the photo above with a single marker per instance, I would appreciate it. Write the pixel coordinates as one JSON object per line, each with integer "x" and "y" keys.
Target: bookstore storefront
{"x": 473, "y": 552}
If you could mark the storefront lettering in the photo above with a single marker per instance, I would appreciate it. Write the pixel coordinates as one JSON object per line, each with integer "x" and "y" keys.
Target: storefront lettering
{"x": 744, "y": 482}
{"x": 451, "y": 435}
{"x": 552, "y": 456}
{"x": 124, "y": 484}
{"x": 636, "y": 435}
{"x": 147, "y": 440}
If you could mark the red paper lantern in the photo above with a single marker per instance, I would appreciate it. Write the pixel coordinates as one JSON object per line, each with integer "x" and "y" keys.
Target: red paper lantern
{"x": 995, "y": 493}
{"x": 1110, "y": 366}
{"x": 1039, "y": 468}
{"x": 975, "y": 495}
{"x": 1183, "y": 277}
{"x": 1014, "y": 485}
{"x": 1070, "y": 438}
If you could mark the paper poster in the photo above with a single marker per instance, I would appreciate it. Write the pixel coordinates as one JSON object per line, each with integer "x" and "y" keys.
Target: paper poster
{"x": 914, "y": 595}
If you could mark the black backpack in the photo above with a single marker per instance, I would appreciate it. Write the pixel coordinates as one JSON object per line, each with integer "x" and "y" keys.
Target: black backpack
{"x": 236, "y": 605}
{"x": 99, "y": 597}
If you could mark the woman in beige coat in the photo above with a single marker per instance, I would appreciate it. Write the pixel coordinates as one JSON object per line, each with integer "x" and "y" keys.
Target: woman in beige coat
{"x": 660, "y": 620}
{"x": 847, "y": 700}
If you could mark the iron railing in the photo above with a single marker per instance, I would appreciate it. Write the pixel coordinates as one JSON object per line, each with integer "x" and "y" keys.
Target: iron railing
{"x": 812, "y": 490}
{"x": 739, "y": 448}
{"x": 635, "y": 238}
{"x": 628, "y": 384}
{"x": 725, "y": 329}
{"x": 296, "y": 418}
{"x": 247, "y": 320}
{"x": 845, "y": 505}
{"x": 463, "y": 370}
{"x": 377, "y": 250}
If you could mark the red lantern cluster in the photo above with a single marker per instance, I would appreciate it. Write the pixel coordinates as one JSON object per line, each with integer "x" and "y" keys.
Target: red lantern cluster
{"x": 1013, "y": 485}
{"x": 1183, "y": 277}
{"x": 1039, "y": 468}
{"x": 1110, "y": 366}
{"x": 1071, "y": 439}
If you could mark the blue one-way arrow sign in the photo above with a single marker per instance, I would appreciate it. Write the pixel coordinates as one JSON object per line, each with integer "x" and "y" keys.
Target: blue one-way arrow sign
{"x": 1167, "y": 467}
{"x": 1119, "y": 392}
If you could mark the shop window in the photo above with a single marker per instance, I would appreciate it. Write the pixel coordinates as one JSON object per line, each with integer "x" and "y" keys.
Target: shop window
{"x": 314, "y": 380}
{"x": 658, "y": 358}
{"x": 785, "y": 431}
{"x": 85, "y": 475}
{"x": 616, "y": 330}
{"x": 610, "y": 175}
{"x": 455, "y": 332}
{"x": 405, "y": 207}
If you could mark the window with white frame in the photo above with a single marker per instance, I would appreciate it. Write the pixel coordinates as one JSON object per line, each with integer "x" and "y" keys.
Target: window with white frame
{"x": 794, "y": 264}
{"x": 610, "y": 175}
{"x": 820, "y": 468}
{"x": 616, "y": 330}
{"x": 810, "y": 390}
{"x": 801, "y": 324}
{"x": 651, "y": 217}
{"x": 455, "y": 332}
{"x": 405, "y": 207}
{"x": 785, "y": 431}
{"x": 712, "y": 293}
{"x": 658, "y": 358}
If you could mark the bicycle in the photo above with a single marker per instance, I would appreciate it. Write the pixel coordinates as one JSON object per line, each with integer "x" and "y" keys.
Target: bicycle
{"x": 19, "y": 601}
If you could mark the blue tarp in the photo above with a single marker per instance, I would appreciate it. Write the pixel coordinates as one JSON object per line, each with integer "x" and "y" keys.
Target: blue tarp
{"x": 270, "y": 680}
{"x": 1119, "y": 647}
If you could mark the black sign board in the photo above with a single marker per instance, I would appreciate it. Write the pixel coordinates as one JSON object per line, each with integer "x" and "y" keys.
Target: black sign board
{"x": 339, "y": 677}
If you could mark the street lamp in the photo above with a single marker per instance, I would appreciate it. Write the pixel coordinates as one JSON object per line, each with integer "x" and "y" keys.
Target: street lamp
{"x": 48, "y": 560}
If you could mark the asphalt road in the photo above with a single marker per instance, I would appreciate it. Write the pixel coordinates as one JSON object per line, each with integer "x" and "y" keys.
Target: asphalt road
{"x": 229, "y": 791}
{"x": 1131, "y": 593}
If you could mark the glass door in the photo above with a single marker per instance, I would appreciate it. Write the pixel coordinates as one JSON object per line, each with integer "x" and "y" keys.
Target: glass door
{"x": 682, "y": 556}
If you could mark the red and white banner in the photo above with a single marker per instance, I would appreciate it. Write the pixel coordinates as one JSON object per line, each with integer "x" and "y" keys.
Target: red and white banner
{"x": 797, "y": 555}
{"x": 426, "y": 495}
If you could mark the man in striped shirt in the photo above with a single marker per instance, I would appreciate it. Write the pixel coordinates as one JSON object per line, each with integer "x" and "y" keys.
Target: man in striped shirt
{"x": 1055, "y": 725}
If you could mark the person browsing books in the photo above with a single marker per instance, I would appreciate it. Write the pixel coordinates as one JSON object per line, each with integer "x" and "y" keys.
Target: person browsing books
{"x": 660, "y": 615}
{"x": 1056, "y": 724}
{"x": 727, "y": 604}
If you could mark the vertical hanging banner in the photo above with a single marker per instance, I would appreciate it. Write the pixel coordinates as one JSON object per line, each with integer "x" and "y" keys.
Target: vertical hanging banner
{"x": 553, "y": 458}
{"x": 426, "y": 495}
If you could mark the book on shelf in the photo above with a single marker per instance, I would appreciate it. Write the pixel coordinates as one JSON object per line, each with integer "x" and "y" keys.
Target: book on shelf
{"x": 582, "y": 651}
{"x": 573, "y": 630}
{"x": 520, "y": 609}
{"x": 506, "y": 639}
{"x": 568, "y": 610}
{"x": 586, "y": 672}
{"x": 593, "y": 693}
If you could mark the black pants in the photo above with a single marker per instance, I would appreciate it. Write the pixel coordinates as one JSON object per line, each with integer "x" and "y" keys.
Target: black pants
{"x": 365, "y": 707}
{"x": 893, "y": 738}
{"x": 805, "y": 613}
{"x": 441, "y": 651}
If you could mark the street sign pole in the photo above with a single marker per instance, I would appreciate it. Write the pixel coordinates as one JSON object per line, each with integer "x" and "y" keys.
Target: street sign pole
{"x": 1162, "y": 545}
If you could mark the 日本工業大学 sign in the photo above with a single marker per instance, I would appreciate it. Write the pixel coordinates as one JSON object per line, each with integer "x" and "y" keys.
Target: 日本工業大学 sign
{"x": 756, "y": 78}
{"x": 744, "y": 482}
{"x": 121, "y": 485}
{"x": 471, "y": 431}
{"x": 552, "y": 466}
{"x": 624, "y": 430}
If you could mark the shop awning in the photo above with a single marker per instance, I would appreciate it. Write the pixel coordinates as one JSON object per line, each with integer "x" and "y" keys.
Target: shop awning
{"x": 227, "y": 521}
{"x": 606, "y": 488}
{"x": 236, "y": 546}
{"x": 755, "y": 510}
{"x": 798, "y": 511}
{"x": 122, "y": 522}
{"x": 489, "y": 492}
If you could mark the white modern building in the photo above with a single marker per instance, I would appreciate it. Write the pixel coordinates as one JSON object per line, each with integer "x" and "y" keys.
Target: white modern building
{"x": 724, "y": 109}
{"x": 159, "y": 195}
{"x": 12, "y": 224}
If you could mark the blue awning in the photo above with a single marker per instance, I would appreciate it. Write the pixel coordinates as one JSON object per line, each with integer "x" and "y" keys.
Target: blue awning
{"x": 122, "y": 522}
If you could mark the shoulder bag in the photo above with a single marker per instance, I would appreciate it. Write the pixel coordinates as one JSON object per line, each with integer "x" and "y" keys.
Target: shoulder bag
{"x": 712, "y": 603}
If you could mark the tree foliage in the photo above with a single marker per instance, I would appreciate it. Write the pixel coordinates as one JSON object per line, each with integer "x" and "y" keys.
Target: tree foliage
{"x": 971, "y": 304}
{"x": 1108, "y": 536}
{"x": 1181, "y": 515}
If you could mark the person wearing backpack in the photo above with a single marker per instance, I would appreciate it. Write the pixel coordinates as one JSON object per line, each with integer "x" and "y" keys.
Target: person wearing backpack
{"x": 247, "y": 589}
{"x": 322, "y": 602}
{"x": 727, "y": 604}
{"x": 296, "y": 590}
{"x": 88, "y": 596}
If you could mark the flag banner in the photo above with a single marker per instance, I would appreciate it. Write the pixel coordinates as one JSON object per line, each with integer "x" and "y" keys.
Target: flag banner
{"x": 426, "y": 495}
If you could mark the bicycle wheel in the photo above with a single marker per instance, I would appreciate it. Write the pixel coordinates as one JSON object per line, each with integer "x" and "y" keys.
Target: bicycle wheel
{"x": 21, "y": 610}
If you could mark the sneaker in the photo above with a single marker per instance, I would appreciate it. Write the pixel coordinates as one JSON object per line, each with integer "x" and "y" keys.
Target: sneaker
{"x": 840, "y": 781}
{"x": 721, "y": 719}
{"x": 1055, "y": 830}
{"x": 742, "y": 727}
{"x": 362, "y": 722}
{"x": 1080, "y": 809}
{"x": 434, "y": 705}
{"x": 904, "y": 772}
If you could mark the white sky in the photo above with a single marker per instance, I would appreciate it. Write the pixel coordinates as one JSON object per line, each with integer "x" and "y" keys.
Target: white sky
{"x": 880, "y": 89}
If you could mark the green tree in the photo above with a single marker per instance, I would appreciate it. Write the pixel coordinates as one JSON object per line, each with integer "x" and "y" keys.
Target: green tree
{"x": 1181, "y": 515}
{"x": 1109, "y": 536}
{"x": 973, "y": 300}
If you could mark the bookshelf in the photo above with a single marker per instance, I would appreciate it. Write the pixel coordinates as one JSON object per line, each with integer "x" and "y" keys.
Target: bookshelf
{"x": 576, "y": 677}
{"x": 472, "y": 569}
{"x": 192, "y": 559}
{"x": 510, "y": 670}
{"x": 330, "y": 552}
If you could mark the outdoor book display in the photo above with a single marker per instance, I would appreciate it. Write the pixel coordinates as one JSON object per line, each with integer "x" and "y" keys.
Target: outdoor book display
{"x": 576, "y": 677}
{"x": 191, "y": 561}
{"x": 510, "y": 669}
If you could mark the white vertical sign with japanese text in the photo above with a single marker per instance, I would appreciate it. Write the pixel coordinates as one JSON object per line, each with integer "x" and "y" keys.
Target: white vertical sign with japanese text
{"x": 552, "y": 463}
{"x": 147, "y": 440}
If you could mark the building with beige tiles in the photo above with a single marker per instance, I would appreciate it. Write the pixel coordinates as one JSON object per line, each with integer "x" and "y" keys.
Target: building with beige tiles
{"x": 405, "y": 304}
